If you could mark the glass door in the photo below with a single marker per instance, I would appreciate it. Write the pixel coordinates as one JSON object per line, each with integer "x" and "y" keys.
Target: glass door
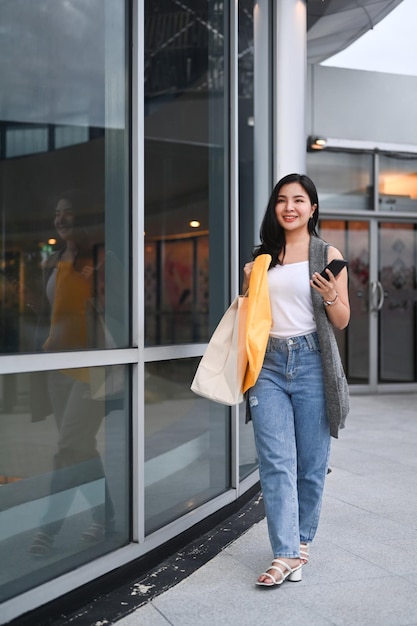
{"x": 352, "y": 239}
{"x": 394, "y": 298}
{"x": 379, "y": 345}
{"x": 358, "y": 359}
{"x": 368, "y": 204}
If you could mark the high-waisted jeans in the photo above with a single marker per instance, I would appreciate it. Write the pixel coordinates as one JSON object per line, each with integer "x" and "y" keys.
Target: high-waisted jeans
{"x": 292, "y": 438}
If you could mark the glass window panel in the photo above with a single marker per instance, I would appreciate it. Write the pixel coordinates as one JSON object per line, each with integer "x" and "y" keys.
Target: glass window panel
{"x": 248, "y": 458}
{"x": 343, "y": 180}
{"x": 70, "y": 135}
{"x": 352, "y": 239}
{"x": 358, "y": 255}
{"x": 20, "y": 141}
{"x": 64, "y": 169}
{"x": 397, "y": 309}
{"x": 186, "y": 444}
{"x": 348, "y": 238}
{"x": 186, "y": 217}
{"x": 64, "y": 471}
{"x": 246, "y": 125}
{"x": 398, "y": 183}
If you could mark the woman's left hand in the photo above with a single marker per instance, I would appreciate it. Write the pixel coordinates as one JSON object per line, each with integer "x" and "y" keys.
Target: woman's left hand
{"x": 326, "y": 288}
{"x": 87, "y": 272}
{"x": 334, "y": 293}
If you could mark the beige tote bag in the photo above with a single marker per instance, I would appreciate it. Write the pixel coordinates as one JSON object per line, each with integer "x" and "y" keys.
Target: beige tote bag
{"x": 219, "y": 376}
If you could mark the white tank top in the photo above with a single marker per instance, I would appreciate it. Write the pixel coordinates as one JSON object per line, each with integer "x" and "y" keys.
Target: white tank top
{"x": 291, "y": 304}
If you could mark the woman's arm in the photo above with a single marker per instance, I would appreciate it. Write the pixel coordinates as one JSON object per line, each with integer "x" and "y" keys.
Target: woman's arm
{"x": 334, "y": 290}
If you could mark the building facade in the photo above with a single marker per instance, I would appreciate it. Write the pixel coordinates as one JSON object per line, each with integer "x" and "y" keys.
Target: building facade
{"x": 139, "y": 142}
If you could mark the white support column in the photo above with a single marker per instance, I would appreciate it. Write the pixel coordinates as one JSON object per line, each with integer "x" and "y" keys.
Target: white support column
{"x": 289, "y": 96}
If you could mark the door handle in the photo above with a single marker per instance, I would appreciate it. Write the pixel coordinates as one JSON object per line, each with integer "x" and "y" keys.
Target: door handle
{"x": 377, "y": 296}
{"x": 380, "y": 301}
{"x": 373, "y": 295}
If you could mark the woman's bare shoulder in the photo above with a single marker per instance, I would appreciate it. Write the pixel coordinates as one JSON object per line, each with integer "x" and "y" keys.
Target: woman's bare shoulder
{"x": 334, "y": 253}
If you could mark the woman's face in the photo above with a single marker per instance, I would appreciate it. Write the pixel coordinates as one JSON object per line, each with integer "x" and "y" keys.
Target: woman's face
{"x": 64, "y": 219}
{"x": 293, "y": 208}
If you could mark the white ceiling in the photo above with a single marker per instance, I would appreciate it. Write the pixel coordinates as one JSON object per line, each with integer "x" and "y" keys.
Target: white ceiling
{"x": 333, "y": 25}
{"x": 390, "y": 47}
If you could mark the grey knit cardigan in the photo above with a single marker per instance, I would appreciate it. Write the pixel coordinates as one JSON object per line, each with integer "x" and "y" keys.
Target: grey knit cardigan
{"x": 335, "y": 383}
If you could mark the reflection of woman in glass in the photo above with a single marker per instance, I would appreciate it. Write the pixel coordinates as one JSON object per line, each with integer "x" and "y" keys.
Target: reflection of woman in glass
{"x": 68, "y": 287}
{"x": 68, "y": 275}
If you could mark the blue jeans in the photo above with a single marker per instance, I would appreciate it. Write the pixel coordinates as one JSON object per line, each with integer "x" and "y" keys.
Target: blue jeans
{"x": 77, "y": 461}
{"x": 292, "y": 437}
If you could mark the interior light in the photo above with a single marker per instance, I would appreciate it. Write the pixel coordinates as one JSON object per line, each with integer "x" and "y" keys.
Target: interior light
{"x": 52, "y": 241}
{"x": 316, "y": 143}
{"x": 194, "y": 224}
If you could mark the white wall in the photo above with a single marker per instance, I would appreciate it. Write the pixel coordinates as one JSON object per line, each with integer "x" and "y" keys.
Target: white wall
{"x": 361, "y": 105}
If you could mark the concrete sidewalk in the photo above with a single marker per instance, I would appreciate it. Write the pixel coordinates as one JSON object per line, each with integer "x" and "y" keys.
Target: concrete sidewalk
{"x": 363, "y": 562}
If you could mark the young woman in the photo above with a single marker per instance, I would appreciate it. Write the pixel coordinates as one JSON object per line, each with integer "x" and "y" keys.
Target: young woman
{"x": 301, "y": 397}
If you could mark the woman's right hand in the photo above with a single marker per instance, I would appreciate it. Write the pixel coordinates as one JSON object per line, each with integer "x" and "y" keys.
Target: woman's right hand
{"x": 247, "y": 271}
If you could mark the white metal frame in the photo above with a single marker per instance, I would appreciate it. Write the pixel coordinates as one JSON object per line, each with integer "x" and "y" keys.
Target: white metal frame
{"x": 138, "y": 283}
{"x": 234, "y": 212}
{"x": 369, "y": 146}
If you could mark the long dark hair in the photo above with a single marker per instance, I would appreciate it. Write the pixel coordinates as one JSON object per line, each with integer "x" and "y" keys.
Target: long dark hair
{"x": 272, "y": 235}
{"x": 82, "y": 206}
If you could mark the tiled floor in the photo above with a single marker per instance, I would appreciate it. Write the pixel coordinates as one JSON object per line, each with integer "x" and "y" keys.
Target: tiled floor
{"x": 363, "y": 565}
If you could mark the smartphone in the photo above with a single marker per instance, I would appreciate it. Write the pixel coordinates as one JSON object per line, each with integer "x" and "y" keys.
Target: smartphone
{"x": 335, "y": 267}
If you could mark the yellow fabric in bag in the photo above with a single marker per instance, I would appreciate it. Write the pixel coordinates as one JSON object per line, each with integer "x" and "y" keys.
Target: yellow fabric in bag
{"x": 259, "y": 319}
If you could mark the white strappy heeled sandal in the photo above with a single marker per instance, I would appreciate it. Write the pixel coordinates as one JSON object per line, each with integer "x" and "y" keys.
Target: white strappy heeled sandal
{"x": 304, "y": 553}
{"x": 292, "y": 574}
